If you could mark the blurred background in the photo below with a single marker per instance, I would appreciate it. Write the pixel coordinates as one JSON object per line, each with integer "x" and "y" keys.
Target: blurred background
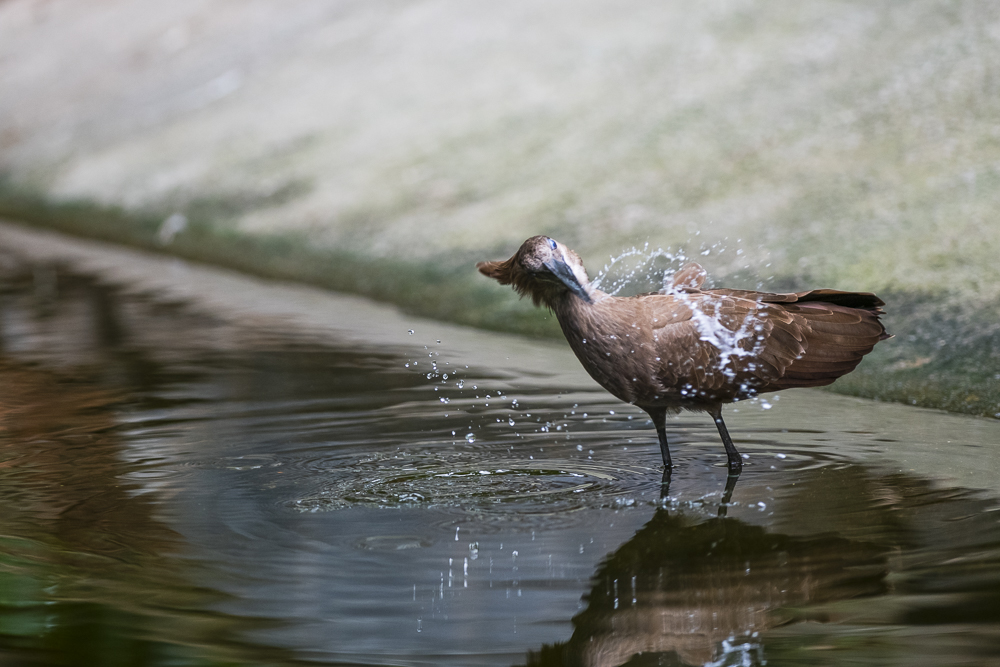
{"x": 199, "y": 467}
{"x": 384, "y": 147}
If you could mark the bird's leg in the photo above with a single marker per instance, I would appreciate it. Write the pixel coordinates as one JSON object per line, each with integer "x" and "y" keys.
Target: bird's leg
{"x": 665, "y": 485}
{"x": 659, "y": 417}
{"x": 735, "y": 460}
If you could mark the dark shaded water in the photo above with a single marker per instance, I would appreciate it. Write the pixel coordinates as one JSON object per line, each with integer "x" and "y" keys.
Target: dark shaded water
{"x": 178, "y": 490}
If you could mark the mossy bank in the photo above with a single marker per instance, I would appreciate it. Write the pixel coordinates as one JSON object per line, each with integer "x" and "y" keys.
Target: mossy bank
{"x": 945, "y": 353}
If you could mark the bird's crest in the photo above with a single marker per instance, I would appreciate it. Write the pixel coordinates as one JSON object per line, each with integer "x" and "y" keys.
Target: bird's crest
{"x": 499, "y": 270}
{"x": 510, "y": 272}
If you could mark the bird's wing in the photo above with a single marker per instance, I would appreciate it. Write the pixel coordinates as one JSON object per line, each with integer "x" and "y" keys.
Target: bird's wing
{"x": 862, "y": 300}
{"x": 746, "y": 342}
{"x": 833, "y": 338}
{"x": 698, "y": 337}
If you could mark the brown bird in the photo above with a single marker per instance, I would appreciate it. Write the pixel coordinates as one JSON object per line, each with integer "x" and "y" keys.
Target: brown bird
{"x": 688, "y": 348}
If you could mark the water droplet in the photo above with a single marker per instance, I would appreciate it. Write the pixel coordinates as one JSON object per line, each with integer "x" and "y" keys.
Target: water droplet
{"x": 410, "y": 332}
{"x": 470, "y": 438}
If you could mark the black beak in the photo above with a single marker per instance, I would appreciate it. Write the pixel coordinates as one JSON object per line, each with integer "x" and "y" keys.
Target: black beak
{"x": 566, "y": 276}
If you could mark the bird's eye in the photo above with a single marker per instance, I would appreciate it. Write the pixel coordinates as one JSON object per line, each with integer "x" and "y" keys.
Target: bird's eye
{"x": 552, "y": 244}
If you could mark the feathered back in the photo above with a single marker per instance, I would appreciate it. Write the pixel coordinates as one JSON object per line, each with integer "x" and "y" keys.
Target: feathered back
{"x": 804, "y": 339}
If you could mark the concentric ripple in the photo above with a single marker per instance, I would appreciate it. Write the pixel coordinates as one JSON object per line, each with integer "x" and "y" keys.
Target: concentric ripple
{"x": 456, "y": 481}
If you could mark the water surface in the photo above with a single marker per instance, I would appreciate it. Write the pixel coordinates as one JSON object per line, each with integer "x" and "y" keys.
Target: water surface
{"x": 179, "y": 486}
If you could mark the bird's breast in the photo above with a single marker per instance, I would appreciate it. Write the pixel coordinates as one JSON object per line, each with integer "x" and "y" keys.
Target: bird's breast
{"x": 616, "y": 347}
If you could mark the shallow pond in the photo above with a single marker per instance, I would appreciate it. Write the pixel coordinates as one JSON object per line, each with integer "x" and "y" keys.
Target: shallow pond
{"x": 246, "y": 473}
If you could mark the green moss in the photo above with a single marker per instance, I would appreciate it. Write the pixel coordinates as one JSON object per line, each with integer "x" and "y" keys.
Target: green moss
{"x": 945, "y": 354}
{"x": 449, "y": 289}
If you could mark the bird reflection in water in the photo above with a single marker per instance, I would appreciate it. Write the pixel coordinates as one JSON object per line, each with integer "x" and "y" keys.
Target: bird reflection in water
{"x": 685, "y": 590}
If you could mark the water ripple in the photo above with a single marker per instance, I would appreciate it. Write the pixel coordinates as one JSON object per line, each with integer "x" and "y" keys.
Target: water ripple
{"x": 462, "y": 481}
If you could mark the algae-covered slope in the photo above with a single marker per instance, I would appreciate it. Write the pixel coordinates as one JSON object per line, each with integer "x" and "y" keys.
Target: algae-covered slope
{"x": 381, "y": 147}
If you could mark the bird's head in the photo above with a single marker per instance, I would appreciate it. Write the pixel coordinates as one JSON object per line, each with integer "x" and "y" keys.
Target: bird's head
{"x": 544, "y": 269}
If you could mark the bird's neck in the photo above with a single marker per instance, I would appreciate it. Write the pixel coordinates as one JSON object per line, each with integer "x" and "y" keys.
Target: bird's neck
{"x": 576, "y": 316}
{"x": 559, "y": 299}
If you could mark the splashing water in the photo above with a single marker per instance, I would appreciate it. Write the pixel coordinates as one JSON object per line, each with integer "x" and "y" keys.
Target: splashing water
{"x": 639, "y": 270}
{"x": 739, "y": 654}
{"x": 745, "y": 341}
{"x": 636, "y": 270}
